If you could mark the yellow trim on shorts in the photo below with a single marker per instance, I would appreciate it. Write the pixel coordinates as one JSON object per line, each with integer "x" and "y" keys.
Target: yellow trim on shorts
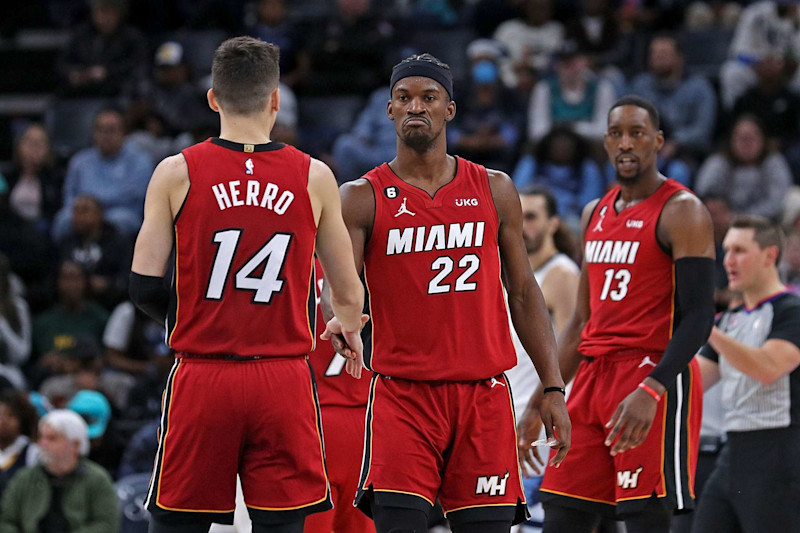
{"x": 577, "y": 497}
{"x": 478, "y": 506}
{"x": 404, "y": 492}
{"x": 166, "y": 434}
{"x": 192, "y": 510}
{"x": 287, "y": 508}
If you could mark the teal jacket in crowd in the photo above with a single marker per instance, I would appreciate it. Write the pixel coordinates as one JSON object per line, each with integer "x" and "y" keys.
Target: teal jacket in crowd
{"x": 90, "y": 501}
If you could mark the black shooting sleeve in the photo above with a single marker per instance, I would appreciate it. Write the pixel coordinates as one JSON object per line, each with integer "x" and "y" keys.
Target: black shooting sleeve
{"x": 694, "y": 281}
{"x": 150, "y": 294}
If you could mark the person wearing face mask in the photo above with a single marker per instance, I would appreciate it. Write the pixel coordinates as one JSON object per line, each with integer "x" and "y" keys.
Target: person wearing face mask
{"x": 487, "y": 127}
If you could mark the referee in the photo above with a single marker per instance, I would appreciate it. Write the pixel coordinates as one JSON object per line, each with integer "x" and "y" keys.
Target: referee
{"x": 754, "y": 353}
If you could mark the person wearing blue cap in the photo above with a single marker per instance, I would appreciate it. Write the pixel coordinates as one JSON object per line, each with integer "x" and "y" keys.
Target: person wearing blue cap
{"x": 65, "y": 491}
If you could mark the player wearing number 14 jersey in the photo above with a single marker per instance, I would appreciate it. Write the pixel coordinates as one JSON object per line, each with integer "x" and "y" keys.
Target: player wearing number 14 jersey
{"x": 245, "y": 216}
{"x": 434, "y": 233}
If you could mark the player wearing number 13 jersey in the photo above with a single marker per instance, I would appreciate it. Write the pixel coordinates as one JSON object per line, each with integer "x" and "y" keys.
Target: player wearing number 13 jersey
{"x": 645, "y": 306}
{"x": 245, "y": 216}
{"x": 433, "y": 234}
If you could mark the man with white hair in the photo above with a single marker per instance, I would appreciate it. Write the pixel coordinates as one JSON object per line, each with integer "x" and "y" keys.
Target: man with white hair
{"x": 65, "y": 491}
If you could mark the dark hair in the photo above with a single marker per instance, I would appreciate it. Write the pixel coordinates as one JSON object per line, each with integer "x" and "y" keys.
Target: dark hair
{"x": 23, "y": 410}
{"x": 665, "y": 35}
{"x": 765, "y": 232}
{"x": 550, "y": 202}
{"x": 563, "y": 238}
{"x": 755, "y": 119}
{"x": 425, "y": 57}
{"x": 643, "y": 103}
{"x": 244, "y": 72}
{"x": 542, "y": 152}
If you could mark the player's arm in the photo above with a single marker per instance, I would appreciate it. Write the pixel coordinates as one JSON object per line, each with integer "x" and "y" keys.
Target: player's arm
{"x": 709, "y": 370}
{"x": 569, "y": 358}
{"x": 528, "y": 311}
{"x": 685, "y": 229}
{"x": 335, "y": 252}
{"x": 560, "y": 291}
{"x": 358, "y": 211}
{"x": 165, "y": 195}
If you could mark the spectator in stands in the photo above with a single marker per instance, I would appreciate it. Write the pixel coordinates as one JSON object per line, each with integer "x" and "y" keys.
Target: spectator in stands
{"x": 130, "y": 338}
{"x": 597, "y": 33}
{"x": 347, "y": 50}
{"x": 105, "y": 444}
{"x": 34, "y": 182}
{"x": 15, "y": 329}
{"x": 766, "y": 31}
{"x": 573, "y": 94}
{"x": 687, "y": 104}
{"x": 65, "y": 491}
{"x": 141, "y": 451}
{"x": 789, "y": 267}
{"x": 285, "y": 128}
{"x": 104, "y": 56}
{"x": 83, "y": 371}
{"x": 751, "y": 178}
{"x": 563, "y": 164}
{"x": 144, "y": 400}
{"x": 71, "y": 318}
{"x": 272, "y": 26}
{"x": 487, "y": 127}
{"x": 18, "y": 420}
{"x": 370, "y": 142}
{"x": 754, "y": 354}
{"x": 99, "y": 248}
{"x": 530, "y": 41}
{"x": 114, "y": 171}
{"x": 721, "y": 217}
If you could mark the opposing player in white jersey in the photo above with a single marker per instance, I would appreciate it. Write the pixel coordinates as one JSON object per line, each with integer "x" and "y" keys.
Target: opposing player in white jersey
{"x": 550, "y": 247}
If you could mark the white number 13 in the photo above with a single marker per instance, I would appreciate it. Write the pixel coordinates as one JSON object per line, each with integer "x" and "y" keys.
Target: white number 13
{"x": 623, "y": 277}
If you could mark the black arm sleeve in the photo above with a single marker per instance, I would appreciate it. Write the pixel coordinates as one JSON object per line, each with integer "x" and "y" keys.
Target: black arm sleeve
{"x": 150, "y": 295}
{"x": 694, "y": 280}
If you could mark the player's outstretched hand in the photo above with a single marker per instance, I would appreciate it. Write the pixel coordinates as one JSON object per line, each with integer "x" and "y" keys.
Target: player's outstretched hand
{"x": 554, "y": 414}
{"x": 631, "y": 422}
{"x": 347, "y": 343}
{"x": 528, "y": 430}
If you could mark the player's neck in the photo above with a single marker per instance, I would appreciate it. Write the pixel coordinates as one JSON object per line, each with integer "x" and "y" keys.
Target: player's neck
{"x": 542, "y": 255}
{"x": 761, "y": 291}
{"x": 429, "y": 170}
{"x": 246, "y": 130}
{"x": 633, "y": 193}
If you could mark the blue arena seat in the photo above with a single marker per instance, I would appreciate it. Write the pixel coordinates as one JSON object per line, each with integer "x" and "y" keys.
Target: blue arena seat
{"x": 323, "y": 118}
{"x": 705, "y": 50}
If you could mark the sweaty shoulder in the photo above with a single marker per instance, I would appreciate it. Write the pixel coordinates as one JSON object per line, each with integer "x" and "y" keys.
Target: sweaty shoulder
{"x": 504, "y": 193}
{"x": 685, "y": 228}
{"x": 358, "y": 203}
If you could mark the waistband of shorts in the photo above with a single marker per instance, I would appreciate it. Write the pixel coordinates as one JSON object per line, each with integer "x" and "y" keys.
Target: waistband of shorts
{"x": 440, "y": 381}
{"x": 622, "y": 355}
{"x": 233, "y": 357}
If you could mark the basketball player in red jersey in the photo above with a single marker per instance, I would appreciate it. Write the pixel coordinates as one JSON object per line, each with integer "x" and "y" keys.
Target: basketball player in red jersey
{"x": 343, "y": 401}
{"x": 645, "y": 306}
{"x": 426, "y": 228}
{"x": 244, "y": 216}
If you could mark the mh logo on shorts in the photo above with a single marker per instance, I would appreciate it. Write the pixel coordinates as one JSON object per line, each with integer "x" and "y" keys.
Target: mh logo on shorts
{"x": 492, "y": 485}
{"x": 629, "y": 479}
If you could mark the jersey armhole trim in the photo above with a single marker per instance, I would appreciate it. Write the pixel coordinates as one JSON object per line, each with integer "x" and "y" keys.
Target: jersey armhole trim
{"x": 661, "y": 246}
{"x": 189, "y": 190}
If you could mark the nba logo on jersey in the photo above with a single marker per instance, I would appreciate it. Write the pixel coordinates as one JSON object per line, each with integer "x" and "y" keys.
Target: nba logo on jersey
{"x": 248, "y": 167}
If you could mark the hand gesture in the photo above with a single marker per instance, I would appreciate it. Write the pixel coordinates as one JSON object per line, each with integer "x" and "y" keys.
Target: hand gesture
{"x": 553, "y": 410}
{"x": 347, "y": 344}
{"x": 631, "y": 421}
{"x": 528, "y": 430}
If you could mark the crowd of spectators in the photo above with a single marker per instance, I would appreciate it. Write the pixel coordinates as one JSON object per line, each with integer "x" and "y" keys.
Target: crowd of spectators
{"x": 535, "y": 79}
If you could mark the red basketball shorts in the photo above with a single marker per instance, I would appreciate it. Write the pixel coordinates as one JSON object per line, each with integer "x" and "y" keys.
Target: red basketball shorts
{"x": 451, "y": 440}
{"x": 664, "y": 464}
{"x": 259, "y": 418}
{"x": 344, "y": 442}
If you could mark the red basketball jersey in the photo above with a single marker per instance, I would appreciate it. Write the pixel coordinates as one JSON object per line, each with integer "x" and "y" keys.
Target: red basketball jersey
{"x": 244, "y": 259}
{"x": 335, "y": 387}
{"x": 631, "y": 277}
{"x": 433, "y": 275}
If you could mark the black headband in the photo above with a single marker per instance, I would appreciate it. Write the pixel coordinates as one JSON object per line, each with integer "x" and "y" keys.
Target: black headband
{"x": 426, "y": 69}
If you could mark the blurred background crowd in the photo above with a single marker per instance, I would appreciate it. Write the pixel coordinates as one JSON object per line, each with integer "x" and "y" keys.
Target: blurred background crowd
{"x": 94, "y": 93}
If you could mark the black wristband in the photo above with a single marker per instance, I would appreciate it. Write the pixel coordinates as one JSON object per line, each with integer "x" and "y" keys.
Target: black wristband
{"x": 555, "y": 389}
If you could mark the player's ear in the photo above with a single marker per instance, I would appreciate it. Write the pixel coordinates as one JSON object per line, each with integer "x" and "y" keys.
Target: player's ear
{"x": 212, "y": 100}
{"x": 451, "y": 111}
{"x": 275, "y": 100}
{"x": 659, "y": 140}
{"x": 389, "y": 112}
